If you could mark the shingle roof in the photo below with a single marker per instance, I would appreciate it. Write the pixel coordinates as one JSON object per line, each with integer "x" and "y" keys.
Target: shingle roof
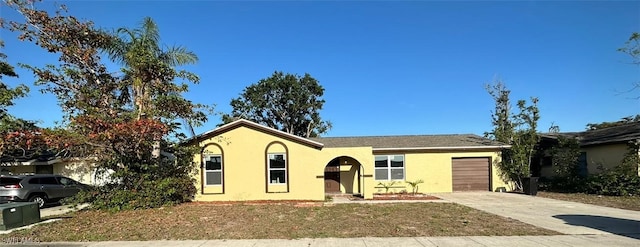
{"x": 616, "y": 134}
{"x": 463, "y": 141}
{"x": 411, "y": 141}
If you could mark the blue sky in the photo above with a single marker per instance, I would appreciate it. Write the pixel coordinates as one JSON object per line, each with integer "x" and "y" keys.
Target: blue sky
{"x": 388, "y": 68}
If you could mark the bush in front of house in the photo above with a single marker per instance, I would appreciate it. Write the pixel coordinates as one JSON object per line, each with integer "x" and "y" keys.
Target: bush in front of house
{"x": 622, "y": 180}
{"x": 613, "y": 183}
{"x": 149, "y": 183}
{"x": 619, "y": 181}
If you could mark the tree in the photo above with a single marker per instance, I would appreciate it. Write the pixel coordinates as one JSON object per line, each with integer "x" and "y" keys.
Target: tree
{"x": 139, "y": 51}
{"x": 7, "y": 94}
{"x": 632, "y": 48}
{"x": 102, "y": 119}
{"x": 11, "y": 128}
{"x": 623, "y": 121}
{"x": 516, "y": 129}
{"x": 565, "y": 156}
{"x": 287, "y": 102}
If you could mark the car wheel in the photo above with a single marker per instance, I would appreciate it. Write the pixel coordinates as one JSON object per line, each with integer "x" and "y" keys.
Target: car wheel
{"x": 40, "y": 199}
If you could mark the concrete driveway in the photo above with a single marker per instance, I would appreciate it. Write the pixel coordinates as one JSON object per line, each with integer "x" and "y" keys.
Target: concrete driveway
{"x": 561, "y": 216}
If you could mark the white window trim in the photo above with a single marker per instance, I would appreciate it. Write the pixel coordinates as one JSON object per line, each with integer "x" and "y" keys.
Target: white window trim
{"x": 388, "y": 168}
{"x": 207, "y": 157}
{"x": 269, "y": 169}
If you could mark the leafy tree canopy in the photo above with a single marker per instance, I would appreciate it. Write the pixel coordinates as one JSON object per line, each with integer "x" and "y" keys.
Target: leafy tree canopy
{"x": 114, "y": 118}
{"x": 287, "y": 102}
{"x": 516, "y": 129}
{"x": 632, "y": 48}
{"x": 623, "y": 121}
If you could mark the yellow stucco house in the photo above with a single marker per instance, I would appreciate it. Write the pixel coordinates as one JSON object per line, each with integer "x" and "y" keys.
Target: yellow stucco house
{"x": 244, "y": 160}
{"x": 600, "y": 149}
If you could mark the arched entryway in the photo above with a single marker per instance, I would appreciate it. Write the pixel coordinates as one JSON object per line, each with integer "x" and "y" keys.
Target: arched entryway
{"x": 342, "y": 175}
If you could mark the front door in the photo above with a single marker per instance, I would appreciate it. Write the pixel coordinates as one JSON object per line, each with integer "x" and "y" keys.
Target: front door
{"x": 332, "y": 179}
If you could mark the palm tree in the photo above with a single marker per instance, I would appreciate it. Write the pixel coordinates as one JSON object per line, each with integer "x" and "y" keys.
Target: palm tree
{"x": 139, "y": 51}
{"x": 149, "y": 70}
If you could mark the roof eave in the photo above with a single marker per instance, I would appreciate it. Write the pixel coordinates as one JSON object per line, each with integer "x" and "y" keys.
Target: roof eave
{"x": 443, "y": 148}
{"x": 241, "y": 122}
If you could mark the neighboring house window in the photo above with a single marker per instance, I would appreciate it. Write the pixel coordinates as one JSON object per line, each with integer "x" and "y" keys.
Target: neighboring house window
{"x": 547, "y": 161}
{"x": 277, "y": 168}
{"x": 213, "y": 170}
{"x": 582, "y": 164}
{"x": 389, "y": 167}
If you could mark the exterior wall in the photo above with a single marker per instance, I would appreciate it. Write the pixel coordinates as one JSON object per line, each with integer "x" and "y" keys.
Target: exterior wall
{"x": 357, "y": 158}
{"x": 607, "y": 156}
{"x": 80, "y": 171}
{"x": 245, "y": 168}
{"x": 18, "y": 169}
{"x": 435, "y": 169}
{"x": 349, "y": 178}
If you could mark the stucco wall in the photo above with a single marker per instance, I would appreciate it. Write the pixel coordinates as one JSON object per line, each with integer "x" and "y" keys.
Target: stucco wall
{"x": 607, "y": 156}
{"x": 352, "y": 159}
{"x": 18, "y": 169}
{"x": 435, "y": 169}
{"x": 245, "y": 168}
{"x": 80, "y": 171}
{"x": 244, "y": 152}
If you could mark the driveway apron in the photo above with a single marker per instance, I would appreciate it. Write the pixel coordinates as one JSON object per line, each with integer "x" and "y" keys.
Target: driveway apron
{"x": 561, "y": 216}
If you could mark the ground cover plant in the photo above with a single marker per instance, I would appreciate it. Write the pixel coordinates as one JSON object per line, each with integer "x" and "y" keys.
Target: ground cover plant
{"x": 278, "y": 221}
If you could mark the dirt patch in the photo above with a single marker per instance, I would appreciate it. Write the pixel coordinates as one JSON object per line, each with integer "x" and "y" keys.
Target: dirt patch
{"x": 281, "y": 221}
{"x": 623, "y": 202}
{"x": 404, "y": 196}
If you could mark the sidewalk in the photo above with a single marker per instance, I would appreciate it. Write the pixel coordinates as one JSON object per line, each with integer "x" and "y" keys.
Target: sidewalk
{"x": 524, "y": 241}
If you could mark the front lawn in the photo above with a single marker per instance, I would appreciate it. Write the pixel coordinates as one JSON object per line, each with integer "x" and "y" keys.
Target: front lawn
{"x": 282, "y": 221}
{"x": 623, "y": 202}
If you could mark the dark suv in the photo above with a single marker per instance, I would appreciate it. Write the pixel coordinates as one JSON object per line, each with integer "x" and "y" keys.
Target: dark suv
{"x": 41, "y": 188}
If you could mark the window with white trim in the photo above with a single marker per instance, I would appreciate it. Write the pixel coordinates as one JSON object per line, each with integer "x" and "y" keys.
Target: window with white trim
{"x": 277, "y": 173}
{"x": 389, "y": 167}
{"x": 213, "y": 170}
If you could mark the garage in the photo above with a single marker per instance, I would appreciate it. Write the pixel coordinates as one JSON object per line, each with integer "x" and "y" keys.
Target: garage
{"x": 471, "y": 174}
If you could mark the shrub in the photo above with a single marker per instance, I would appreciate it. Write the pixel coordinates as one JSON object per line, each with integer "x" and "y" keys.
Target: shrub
{"x": 622, "y": 180}
{"x": 150, "y": 194}
{"x": 414, "y": 185}
{"x": 387, "y": 186}
{"x": 145, "y": 184}
{"x": 613, "y": 183}
{"x": 569, "y": 184}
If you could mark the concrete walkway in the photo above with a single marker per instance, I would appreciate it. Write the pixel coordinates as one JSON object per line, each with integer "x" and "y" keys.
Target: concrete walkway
{"x": 58, "y": 210}
{"x": 561, "y": 216}
{"x": 524, "y": 241}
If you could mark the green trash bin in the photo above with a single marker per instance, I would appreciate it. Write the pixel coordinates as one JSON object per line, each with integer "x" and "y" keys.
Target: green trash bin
{"x": 30, "y": 213}
{"x": 11, "y": 216}
{"x": 17, "y": 214}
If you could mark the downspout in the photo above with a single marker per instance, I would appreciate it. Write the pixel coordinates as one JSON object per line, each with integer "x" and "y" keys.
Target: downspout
{"x": 202, "y": 171}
